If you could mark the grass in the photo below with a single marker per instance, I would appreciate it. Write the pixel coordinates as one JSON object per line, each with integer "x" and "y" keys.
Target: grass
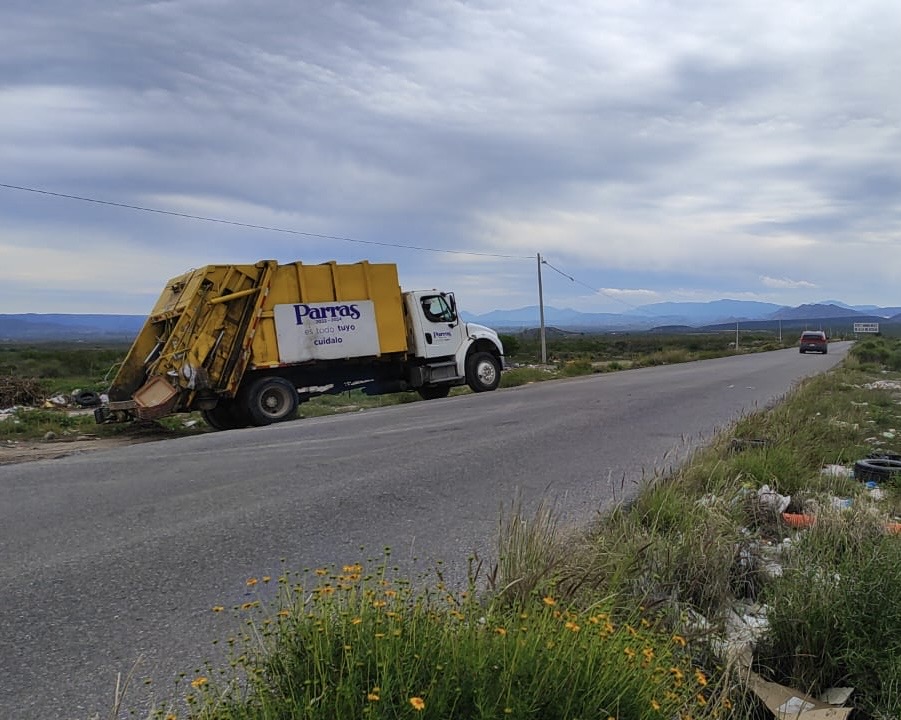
{"x": 347, "y": 644}
{"x": 626, "y": 618}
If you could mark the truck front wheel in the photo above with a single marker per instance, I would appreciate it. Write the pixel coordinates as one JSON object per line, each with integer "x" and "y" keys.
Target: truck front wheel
{"x": 271, "y": 400}
{"x": 483, "y": 372}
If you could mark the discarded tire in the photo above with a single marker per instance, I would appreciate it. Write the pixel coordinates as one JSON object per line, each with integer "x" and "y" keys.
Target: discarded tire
{"x": 87, "y": 398}
{"x": 877, "y": 469}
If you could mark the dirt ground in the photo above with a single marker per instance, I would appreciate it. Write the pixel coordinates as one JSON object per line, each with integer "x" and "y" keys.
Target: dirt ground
{"x": 19, "y": 451}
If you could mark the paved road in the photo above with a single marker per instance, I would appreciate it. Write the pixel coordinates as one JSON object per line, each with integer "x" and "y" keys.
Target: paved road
{"x": 113, "y": 556}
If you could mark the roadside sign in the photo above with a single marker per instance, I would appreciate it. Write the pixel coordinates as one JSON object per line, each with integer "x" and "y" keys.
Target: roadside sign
{"x": 866, "y": 327}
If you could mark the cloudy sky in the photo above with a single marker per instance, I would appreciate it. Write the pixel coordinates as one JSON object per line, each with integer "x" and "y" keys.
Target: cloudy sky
{"x": 649, "y": 150}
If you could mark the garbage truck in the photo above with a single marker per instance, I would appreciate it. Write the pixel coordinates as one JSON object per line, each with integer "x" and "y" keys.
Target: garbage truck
{"x": 245, "y": 344}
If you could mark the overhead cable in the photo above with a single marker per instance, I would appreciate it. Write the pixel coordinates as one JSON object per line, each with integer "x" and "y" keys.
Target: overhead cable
{"x": 268, "y": 228}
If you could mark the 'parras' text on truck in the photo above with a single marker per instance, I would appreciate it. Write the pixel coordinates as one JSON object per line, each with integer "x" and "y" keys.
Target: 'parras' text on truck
{"x": 245, "y": 344}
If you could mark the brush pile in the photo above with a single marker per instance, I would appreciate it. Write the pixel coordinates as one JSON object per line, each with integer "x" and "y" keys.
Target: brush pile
{"x": 20, "y": 391}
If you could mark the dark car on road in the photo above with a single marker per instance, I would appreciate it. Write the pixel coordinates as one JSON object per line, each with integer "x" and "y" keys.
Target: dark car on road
{"x": 814, "y": 341}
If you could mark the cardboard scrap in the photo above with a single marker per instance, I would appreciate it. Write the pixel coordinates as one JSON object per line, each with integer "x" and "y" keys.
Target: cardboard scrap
{"x": 788, "y": 704}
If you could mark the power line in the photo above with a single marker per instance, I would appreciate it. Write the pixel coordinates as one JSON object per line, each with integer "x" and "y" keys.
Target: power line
{"x": 589, "y": 287}
{"x": 268, "y": 228}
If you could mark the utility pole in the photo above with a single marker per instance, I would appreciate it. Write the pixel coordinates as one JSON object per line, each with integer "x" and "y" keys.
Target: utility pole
{"x": 541, "y": 313}
{"x": 736, "y": 336}
{"x": 780, "y": 330}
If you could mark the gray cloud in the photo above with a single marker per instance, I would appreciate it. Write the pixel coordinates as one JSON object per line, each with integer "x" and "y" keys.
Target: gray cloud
{"x": 679, "y": 149}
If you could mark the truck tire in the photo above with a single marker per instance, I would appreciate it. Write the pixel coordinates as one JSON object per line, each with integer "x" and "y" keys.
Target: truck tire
{"x": 87, "y": 398}
{"x": 434, "y": 392}
{"x": 483, "y": 372}
{"x": 271, "y": 400}
{"x": 877, "y": 469}
{"x": 227, "y": 415}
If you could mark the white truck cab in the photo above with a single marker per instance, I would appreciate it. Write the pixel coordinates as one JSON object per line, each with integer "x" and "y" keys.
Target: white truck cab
{"x": 450, "y": 351}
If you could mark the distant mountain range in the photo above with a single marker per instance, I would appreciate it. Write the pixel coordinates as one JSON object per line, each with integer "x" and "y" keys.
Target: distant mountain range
{"x": 707, "y": 315}
{"x": 715, "y": 315}
{"x": 33, "y": 326}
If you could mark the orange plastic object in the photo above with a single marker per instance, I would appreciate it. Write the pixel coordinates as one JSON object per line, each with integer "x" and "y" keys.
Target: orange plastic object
{"x": 798, "y": 520}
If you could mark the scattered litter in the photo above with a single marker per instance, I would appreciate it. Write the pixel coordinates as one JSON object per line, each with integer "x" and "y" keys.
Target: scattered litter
{"x": 787, "y": 703}
{"x": 889, "y": 435}
{"x": 49, "y": 436}
{"x": 772, "y": 500}
{"x": 883, "y": 385}
{"x": 189, "y": 423}
{"x": 744, "y": 624}
{"x": 859, "y": 404}
{"x": 836, "y": 696}
{"x": 57, "y": 401}
{"x": 739, "y": 444}
{"x": 837, "y": 471}
{"x": 840, "y": 503}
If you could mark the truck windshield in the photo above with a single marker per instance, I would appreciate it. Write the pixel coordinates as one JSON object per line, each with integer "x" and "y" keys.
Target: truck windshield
{"x": 436, "y": 309}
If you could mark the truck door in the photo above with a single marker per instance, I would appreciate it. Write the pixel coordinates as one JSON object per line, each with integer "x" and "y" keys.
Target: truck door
{"x": 442, "y": 331}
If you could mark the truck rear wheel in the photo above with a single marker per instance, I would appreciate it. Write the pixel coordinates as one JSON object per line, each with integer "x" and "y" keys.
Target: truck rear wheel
{"x": 227, "y": 415}
{"x": 483, "y": 372}
{"x": 271, "y": 400}
{"x": 434, "y": 392}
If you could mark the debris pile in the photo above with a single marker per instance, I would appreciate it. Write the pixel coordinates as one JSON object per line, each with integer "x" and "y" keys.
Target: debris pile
{"x": 20, "y": 391}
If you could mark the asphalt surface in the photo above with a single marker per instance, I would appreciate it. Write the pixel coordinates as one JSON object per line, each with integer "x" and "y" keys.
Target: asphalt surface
{"x": 116, "y": 558}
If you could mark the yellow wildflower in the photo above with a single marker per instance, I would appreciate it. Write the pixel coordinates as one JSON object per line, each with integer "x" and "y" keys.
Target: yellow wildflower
{"x": 700, "y": 678}
{"x": 379, "y": 604}
{"x": 248, "y": 605}
{"x": 218, "y": 608}
{"x": 500, "y": 631}
{"x": 549, "y": 601}
{"x": 679, "y": 640}
{"x": 355, "y": 568}
{"x": 418, "y": 704}
{"x": 630, "y": 653}
{"x": 655, "y": 705}
{"x": 571, "y": 626}
{"x": 631, "y": 630}
{"x": 266, "y": 578}
{"x": 251, "y": 582}
{"x": 701, "y": 699}
{"x": 356, "y": 621}
{"x": 284, "y": 613}
{"x": 199, "y": 682}
{"x": 321, "y": 572}
{"x": 390, "y": 593}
